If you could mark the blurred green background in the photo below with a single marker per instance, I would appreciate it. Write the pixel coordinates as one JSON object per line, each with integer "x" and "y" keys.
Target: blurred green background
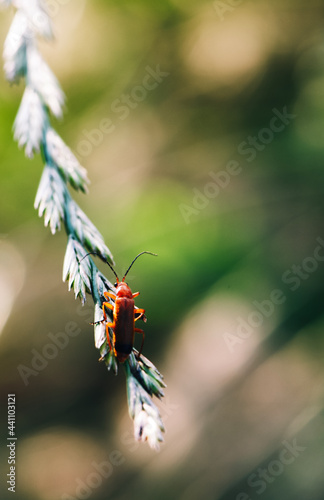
{"x": 235, "y": 298}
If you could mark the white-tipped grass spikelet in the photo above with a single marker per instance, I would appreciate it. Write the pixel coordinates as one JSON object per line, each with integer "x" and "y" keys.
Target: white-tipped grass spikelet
{"x": 42, "y": 99}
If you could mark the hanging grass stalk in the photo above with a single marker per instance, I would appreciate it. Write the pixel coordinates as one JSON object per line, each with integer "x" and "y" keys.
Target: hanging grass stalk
{"x": 43, "y": 98}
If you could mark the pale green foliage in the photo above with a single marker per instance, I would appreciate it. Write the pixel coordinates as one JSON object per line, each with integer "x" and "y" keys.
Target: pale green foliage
{"x": 77, "y": 269}
{"x": 68, "y": 165}
{"x": 50, "y": 198}
{"x": 30, "y": 122}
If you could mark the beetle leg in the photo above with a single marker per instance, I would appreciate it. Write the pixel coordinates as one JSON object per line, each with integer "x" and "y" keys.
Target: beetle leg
{"x": 138, "y": 330}
{"x": 141, "y": 315}
{"x": 110, "y": 295}
{"x": 107, "y": 333}
{"x": 108, "y": 305}
{"x": 105, "y": 304}
{"x": 136, "y": 294}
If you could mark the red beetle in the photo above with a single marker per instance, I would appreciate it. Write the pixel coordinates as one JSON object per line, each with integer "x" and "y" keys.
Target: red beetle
{"x": 124, "y": 316}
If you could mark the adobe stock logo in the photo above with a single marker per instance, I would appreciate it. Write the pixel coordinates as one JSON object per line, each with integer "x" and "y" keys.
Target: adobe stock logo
{"x": 218, "y": 182}
{"x": 249, "y": 149}
{"x": 121, "y": 108}
{"x": 264, "y": 309}
{"x": 254, "y": 144}
{"x": 40, "y": 360}
{"x": 265, "y": 476}
{"x": 53, "y": 6}
{"x": 223, "y": 8}
{"x": 101, "y": 471}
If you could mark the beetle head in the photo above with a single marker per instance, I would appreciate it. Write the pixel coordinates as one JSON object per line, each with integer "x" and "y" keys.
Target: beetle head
{"x": 123, "y": 290}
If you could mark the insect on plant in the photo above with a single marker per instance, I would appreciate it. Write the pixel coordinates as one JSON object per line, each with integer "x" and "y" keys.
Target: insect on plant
{"x": 125, "y": 314}
{"x": 42, "y": 98}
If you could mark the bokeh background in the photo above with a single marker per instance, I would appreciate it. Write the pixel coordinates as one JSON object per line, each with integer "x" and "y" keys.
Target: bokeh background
{"x": 244, "y": 376}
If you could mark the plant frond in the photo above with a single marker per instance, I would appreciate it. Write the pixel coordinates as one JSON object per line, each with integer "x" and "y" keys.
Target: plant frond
{"x": 65, "y": 161}
{"x": 50, "y": 198}
{"x": 30, "y": 122}
{"x": 77, "y": 269}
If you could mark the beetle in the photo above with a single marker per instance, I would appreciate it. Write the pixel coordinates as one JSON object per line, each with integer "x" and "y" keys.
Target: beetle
{"x": 125, "y": 314}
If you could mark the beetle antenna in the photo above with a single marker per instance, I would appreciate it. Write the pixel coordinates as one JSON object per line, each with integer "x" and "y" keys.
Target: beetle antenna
{"x": 106, "y": 261}
{"x": 150, "y": 253}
